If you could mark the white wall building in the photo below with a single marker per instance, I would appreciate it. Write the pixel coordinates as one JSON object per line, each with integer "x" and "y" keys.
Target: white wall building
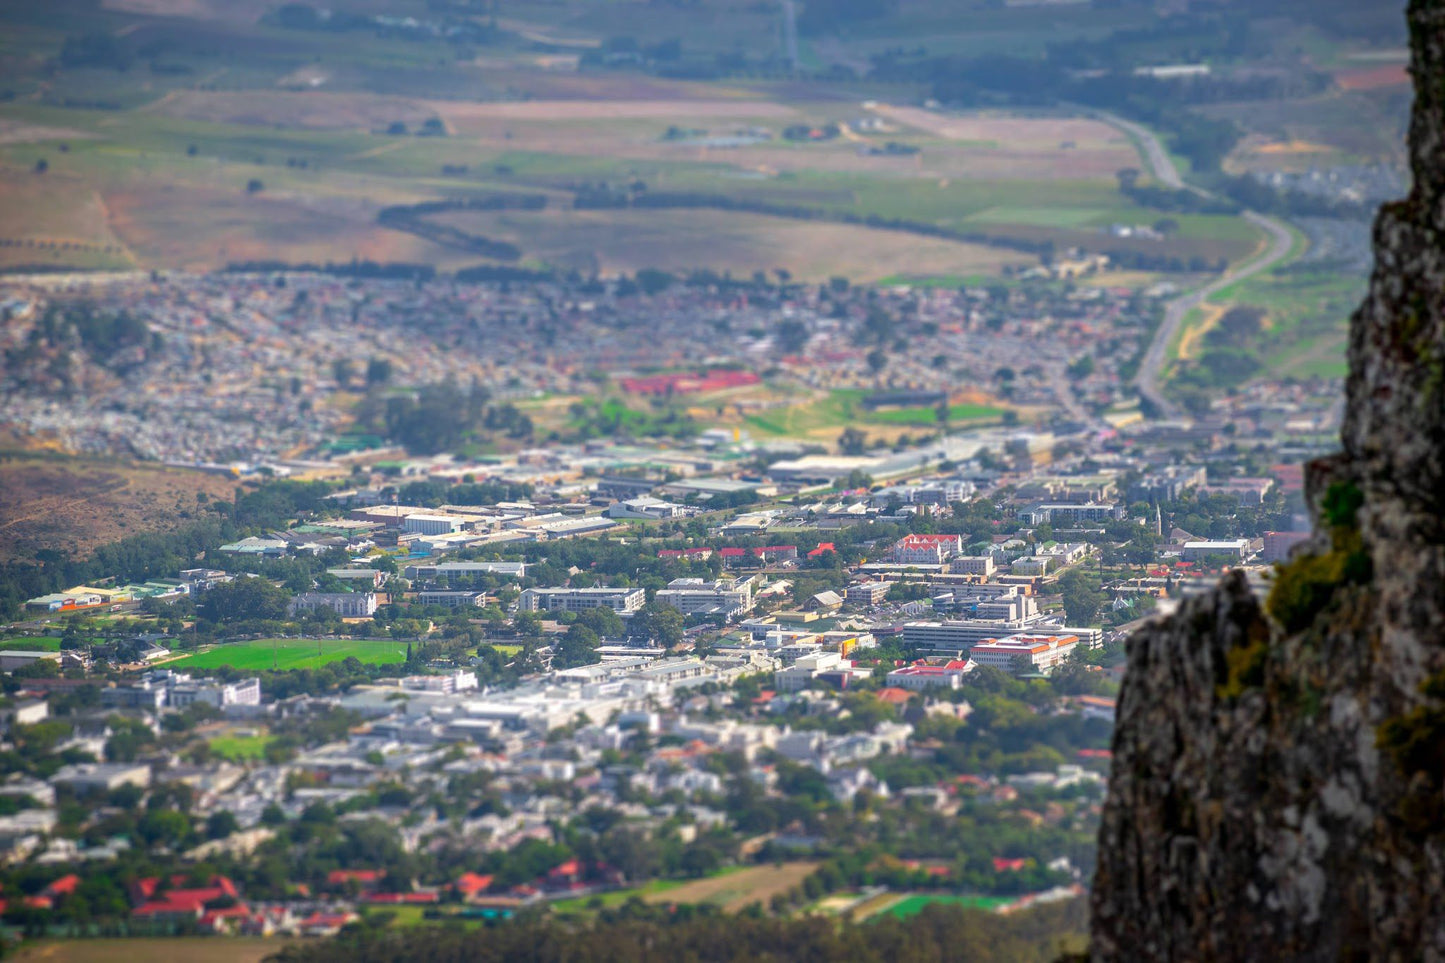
{"x": 695, "y": 596}
{"x": 623, "y": 601}
{"x": 349, "y": 605}
{"x": 1043, "y": 652}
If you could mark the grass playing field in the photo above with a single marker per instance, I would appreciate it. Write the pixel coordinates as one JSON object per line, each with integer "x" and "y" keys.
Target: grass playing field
{"x": 292, "y": 654}
{"x": 913, "y": 905}
{"x": 31, "y": 643}
{"x": 240, "y": 748}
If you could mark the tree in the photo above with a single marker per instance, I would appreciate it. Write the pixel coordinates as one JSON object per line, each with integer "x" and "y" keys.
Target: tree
{"x": 578, "y": 647}
{"x": 342, "y": 371}
{"x": 254, "y": 186}
{"x": 603, "y": 621}
{"x": 221, "y": 824}
{"x": 877, "y": 360}
{"x": 660, "y": 622}
{"x": 378, "y": 372}
{"x": 1082, "y": 598}
{"x": 852, "y": 441}
{"x": 244, "y": 598}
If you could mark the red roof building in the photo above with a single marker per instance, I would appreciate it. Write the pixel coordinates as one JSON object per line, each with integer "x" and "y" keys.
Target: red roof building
{"x": 213, "y": 904}
{"x": 63, "y": 886}
{"x": 472, "y": 884}
{"x": 365, "y": 878}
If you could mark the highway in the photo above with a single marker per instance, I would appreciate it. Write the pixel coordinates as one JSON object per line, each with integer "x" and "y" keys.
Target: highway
{"x": 1161, "y": 168}
{"x": 1156, "y": 357}
{"x": 1151, "y": 369}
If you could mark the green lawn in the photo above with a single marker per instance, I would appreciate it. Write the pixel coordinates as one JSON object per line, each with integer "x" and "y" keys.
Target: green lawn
{"x": 32, "y": 643}
{"x": 505, "y": 648}
{"x": 240, "y": 748}
{"x": 292, "y": 654}
{"x": 914, "y": 905}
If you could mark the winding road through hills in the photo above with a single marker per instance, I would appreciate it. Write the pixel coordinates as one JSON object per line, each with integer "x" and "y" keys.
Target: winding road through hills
{"x": 1156, "y": 357}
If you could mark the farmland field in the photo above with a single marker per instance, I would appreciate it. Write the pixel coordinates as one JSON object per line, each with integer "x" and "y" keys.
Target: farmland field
{"x": 681, "y": 240}
{"x": 192, "y": 949}
{"x": 287, "y": 147}
{"x": 292, "y": 654}
{"x": 731, "y": 891}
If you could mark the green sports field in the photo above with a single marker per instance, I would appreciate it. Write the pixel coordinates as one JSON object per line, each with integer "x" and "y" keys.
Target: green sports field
{"x": 240, "y": 748}
{"x": 292, "y": 654}
{"x": 31, "y": 643}
{"x": 913, "y": 905}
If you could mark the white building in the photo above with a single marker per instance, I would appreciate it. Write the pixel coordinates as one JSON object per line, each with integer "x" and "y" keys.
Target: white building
{"x": 920, "y": 677}
{"x": 926, "y": 549}
{"x": 1236, "y": 549}
{"x": 432, "y": 524}
{"x": 184, "y": 691}
{"x": 867, "y": 593}
{"x": 452, "y": 600}
{"x": 447, "y": 684}
{"x": 448, "y": 569}
{"x": 1043, "y": 652}
{"x": 645, "y": 507}
{"x": 623, "y": 601}
{"x": 980, "y": 565}
{"x": 356, "y": 605}
{"x": 800, "y": 674}
{"x": 695, "y": 596}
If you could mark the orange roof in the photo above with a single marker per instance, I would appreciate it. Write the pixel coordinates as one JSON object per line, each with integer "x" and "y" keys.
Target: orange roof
{"x": 63, "y": 886}
{"x": 473, "y": 883}
{"x": 894, "y": 695}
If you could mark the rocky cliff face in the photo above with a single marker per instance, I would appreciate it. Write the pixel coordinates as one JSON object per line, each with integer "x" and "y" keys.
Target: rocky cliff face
{"x": 1279, "y": 766}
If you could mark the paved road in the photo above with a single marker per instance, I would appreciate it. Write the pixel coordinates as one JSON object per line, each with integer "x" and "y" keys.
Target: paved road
{"x": 1157, "y": 158}
{"x": 1151, "y": 369}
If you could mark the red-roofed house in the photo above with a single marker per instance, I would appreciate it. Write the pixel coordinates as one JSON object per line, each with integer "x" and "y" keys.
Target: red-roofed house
{"x": 894, "y": 696}
{"x": 366, "y": 879}
{"x": 923, "y": 676}
{"x": 926, "y": 549}
{"x": 1002, "y": 864}
{"x": 472, "y": 884}
{"x": 63, "y": 886}
{"x": 392, "y": 899}
{"x": 215, "y": 905}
